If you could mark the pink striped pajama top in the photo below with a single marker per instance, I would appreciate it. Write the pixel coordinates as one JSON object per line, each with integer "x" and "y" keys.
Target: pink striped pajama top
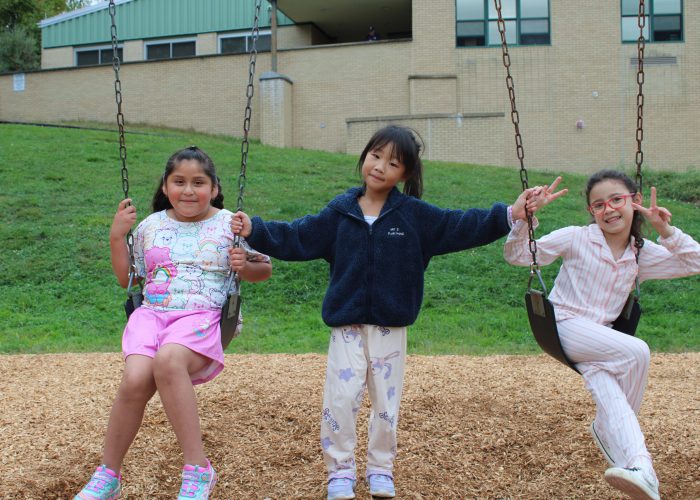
{"x": 591, "y": 284}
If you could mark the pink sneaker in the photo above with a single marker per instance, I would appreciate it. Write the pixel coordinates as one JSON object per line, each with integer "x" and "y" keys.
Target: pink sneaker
{"x": 197, "y": 482}
{"x": 104, "y": 484}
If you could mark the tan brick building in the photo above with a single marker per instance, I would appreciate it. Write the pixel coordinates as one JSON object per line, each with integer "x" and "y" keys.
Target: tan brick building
{"x": 575, "y": 82}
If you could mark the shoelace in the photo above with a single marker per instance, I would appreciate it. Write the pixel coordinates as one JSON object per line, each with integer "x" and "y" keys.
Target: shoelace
{"x": 99, "y": 481}
{"x": 191, "y": 481}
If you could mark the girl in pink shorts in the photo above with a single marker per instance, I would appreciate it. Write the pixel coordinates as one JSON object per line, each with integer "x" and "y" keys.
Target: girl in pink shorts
{"x": 184, "y": 253}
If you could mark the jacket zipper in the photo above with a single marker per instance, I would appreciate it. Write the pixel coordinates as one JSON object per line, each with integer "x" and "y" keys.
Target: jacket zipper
{"x": 370, "y": 270}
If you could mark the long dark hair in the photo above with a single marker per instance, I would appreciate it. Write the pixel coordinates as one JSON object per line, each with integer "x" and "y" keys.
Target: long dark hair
{"x": 161, "y": 202}
{"x": 405, "y": 148}
{"x": 616, "y": 175}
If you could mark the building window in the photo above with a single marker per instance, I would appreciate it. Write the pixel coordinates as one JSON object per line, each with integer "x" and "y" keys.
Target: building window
{"x": 526, "y": 21}
{"x": 240, "y": 43}
{"x": 171, "y": 49}
{"x": 664, "y": 20}
{"x": 96, "y": 55}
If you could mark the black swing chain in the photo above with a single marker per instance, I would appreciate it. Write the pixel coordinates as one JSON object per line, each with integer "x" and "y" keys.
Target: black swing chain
{"x": 641, "y": 42}
{"x": 246, "y": 127}
{"x": 116, "y": 64}
{"x": 249, "y": 105}
{"x": 515, "y": 118}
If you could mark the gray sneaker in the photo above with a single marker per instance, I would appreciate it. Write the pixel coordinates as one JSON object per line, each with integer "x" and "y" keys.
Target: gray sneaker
{"x": 635, "y": 482}
{"x": 602, "y": 446}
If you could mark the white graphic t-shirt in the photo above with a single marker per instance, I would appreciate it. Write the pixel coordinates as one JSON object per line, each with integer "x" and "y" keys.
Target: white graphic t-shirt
{"x": 186, "y": 264}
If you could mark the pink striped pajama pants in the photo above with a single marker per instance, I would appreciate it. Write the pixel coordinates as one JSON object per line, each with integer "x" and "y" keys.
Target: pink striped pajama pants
{"x": 614, "y": 367}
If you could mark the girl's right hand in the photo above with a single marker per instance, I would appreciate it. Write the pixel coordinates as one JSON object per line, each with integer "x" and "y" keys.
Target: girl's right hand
{"x": 123, "y": 219}
{"x": 240, "y": 224}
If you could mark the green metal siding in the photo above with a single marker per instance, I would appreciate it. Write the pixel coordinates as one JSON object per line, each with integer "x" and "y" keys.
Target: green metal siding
{"x": 143, "y": 19}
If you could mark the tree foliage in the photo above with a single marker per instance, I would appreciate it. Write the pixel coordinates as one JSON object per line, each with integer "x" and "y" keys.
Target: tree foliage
{"x": 20, "y": 36}
{"x": 17, "y": 50}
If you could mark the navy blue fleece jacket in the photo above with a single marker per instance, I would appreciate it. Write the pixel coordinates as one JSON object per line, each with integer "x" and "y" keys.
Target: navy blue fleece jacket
{"x": 376, "y": 272}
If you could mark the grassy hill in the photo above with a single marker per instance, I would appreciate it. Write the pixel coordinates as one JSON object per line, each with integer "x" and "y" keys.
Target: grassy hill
{"x": 61, "y": 188}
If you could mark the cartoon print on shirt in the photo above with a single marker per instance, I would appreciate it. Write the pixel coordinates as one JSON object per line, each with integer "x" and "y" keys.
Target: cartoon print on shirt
{"x": 161, "y": 272}
{"x": 164, "y": 237}
{"x": 186, "y": 246}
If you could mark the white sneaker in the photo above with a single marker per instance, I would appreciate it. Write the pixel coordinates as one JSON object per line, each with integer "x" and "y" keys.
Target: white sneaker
{"x": 635, "y": 482}
{"x": 603, "y": 447}
{"x": 341, "y": 488}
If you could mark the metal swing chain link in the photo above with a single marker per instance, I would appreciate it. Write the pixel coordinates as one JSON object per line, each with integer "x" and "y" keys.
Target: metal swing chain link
{"x": 641, "y": 43}
{"x": 250, "y": 89}
{"x": 116, "y": 64}
{"x": 246, "y": 127}
{"x": 639, "y": 156}
{"x": 515, "y": 118}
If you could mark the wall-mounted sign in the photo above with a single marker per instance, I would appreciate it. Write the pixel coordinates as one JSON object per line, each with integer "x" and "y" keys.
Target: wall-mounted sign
{"x": 18, "y": 82}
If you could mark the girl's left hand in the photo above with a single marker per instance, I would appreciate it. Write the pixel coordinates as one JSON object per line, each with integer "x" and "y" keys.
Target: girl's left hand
{"x": 545, "y": 195}
{"x": 238, "y": 258}
{"x": 658, "y": 217}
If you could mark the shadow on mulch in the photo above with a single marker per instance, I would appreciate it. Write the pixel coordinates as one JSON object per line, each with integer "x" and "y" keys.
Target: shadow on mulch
{"x": 503, "y": 427}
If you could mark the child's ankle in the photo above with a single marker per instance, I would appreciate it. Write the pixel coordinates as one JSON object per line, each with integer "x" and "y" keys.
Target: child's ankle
{"x": 195, "y": 465}
{"x": 114, "y": 472}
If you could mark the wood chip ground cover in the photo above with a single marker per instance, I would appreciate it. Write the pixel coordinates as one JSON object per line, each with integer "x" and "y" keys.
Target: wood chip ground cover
{"x": 499, "y": 427}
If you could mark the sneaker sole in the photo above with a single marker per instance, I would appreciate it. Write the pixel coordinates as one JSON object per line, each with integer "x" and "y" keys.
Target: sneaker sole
{"x": 382, "y": 494}
{"x": 631, "y": 488}
{"x": 342, "y": 497}
{"x": 600, "y": 446}
{"x": 114, "y": 496}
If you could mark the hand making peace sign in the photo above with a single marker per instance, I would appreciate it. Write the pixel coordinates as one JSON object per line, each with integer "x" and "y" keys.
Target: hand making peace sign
{"x": 658, "y": 217}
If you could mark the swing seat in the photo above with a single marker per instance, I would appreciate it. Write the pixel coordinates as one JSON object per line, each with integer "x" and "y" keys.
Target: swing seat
{"x": 229, "y": 319}
{"x": 543, "y": 324}
{"x": 132, "y": 303}
{"x": 540, "y": 313}
{"x": 629, "y": 317}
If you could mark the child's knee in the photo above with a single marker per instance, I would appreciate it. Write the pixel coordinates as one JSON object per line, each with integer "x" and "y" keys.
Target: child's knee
{"x": 174, "y": 359}
{"x": 137, "y": 386}
{"x": 639, "y": 353}
{"x": 164, "y": 362}
{"x": 644, "y": 355}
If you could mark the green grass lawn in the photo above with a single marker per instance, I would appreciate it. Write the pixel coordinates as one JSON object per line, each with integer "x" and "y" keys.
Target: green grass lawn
{"x": 61, "y": 188}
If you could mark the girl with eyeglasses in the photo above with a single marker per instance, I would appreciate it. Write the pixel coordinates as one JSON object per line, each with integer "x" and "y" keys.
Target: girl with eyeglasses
{"x": 597, "y": 273}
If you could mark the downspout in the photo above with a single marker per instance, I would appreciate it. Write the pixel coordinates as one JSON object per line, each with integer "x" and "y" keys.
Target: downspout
{"x": 273, "y": 40}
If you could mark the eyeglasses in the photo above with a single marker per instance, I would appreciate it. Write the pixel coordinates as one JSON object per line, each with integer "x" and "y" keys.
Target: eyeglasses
{"x": 617, "y": 201}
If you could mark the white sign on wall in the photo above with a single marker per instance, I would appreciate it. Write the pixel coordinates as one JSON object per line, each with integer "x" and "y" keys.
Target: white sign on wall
{"x": 18, "y": 82}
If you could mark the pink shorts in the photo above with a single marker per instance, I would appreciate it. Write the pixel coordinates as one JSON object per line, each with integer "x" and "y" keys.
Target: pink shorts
{"x": 198, "y": 330}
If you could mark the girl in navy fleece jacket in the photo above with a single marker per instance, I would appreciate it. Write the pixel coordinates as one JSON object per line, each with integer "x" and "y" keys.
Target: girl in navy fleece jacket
{"x": 378, "y": 243}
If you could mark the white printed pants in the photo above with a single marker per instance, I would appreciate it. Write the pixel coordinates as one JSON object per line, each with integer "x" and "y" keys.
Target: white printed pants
{"x": 614, "y": 367}
{"x": 359, "y": 357}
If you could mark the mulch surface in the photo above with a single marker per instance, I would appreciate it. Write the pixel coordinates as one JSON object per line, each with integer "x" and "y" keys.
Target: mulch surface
{"x": 501, "y": 427}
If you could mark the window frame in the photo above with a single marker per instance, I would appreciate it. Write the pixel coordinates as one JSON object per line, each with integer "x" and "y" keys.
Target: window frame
{"x": 170, "y": 42}
{"x": 517, "y": 20}
{"x": 99, "y": 49}
{"x": 247, "y": 35}
{"x": 651, "y": 20}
